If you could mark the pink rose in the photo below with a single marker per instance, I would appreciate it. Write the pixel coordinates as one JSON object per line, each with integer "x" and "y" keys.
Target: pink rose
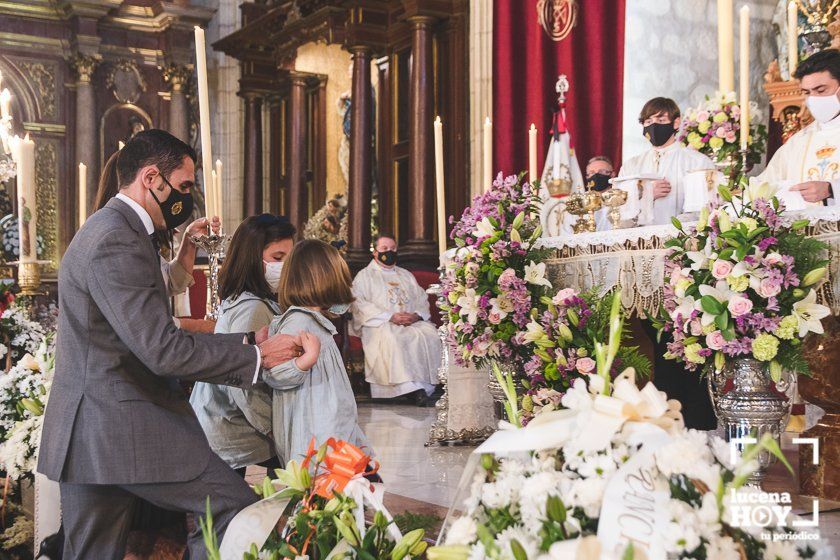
{"x": 731, "y": 137}
{"x": 585, "y": 365}
{"x": 715, "y": 340}
{"x": 768, "y": 288}
{"x": 720, "y": 132}
{"x": 721, "y": 269}
{"x": 773, "y": 259}
{"x": 696, "y": 327}
{"x": 703, "y": 116}
{"x": 494, "y": 318}
{"x": 563, "y": 295}
{"x": 739, "y": 305}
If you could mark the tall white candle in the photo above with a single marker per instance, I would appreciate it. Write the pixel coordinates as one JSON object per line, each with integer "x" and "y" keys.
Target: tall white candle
{"x": 488, "y": 154}
{"x": 5, "y": 103}
{"x": 792, "y": 37}
{"x": 209, "y": 207}
{"x": 217, "y": 190}
{"x": 726, "y": 59}
{"x": 120, "y": 144}
{"x": 439, "y": 186}
{"x": 532, "y": 154}
{"x": 203, "y": 111}
{"x": 23, "y": 150}
{"x": 83, "y": 196}
{"x": 744, "y": 76}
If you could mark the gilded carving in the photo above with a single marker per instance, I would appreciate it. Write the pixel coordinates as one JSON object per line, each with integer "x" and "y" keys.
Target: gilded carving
{"x": 46, "y": 193}
{"x": 125, "y": 81}
{"x": 557, "y": 17}
{"x": 83, "y": 67}
{"x": 42, "y": 77}
{"x": 177, "y": 76}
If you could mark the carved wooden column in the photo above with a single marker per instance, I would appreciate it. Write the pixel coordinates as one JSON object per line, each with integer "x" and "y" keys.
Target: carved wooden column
{"x": 296, "y": 164}
{"x": 179, "y": 123}
{"x": 359, "y": 192}
{"x": 276, "y": 202}
{"x": 253, "y": 194}
{"x": 420, "y": 250}
{"x": 83, "y": 66}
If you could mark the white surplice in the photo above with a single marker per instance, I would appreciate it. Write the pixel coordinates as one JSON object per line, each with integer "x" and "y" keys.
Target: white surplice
{"x": 398, "y": 360}
{"x": 812, "y": 154}
{"x": 673, "y": 163}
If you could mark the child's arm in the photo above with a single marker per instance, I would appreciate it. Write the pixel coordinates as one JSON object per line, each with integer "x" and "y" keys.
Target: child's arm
{"x": 292, "y": 374}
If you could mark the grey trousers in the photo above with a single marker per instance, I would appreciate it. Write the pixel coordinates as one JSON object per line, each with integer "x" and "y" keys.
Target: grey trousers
{"x": 96, "y": 517}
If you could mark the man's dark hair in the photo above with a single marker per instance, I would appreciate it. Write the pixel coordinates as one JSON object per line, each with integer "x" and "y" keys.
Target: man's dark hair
{"x": 385, "y": 235}
{"x": 823, "y": 61}
{"x": 660, "y": 105}
{"x": 151, "y": 147}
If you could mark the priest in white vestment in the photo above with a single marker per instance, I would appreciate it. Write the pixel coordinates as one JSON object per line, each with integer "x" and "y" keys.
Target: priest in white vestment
{"x": 391, "y": 314}
{"x": 663, "y": 168}
{"x": 809, "y": 162}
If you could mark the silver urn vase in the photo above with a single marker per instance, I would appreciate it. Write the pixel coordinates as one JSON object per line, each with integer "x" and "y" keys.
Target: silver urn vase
{"x": 750, "y": 407}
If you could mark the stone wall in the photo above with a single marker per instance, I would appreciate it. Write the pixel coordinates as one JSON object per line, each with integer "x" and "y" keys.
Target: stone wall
{"x": 671, "y": 51}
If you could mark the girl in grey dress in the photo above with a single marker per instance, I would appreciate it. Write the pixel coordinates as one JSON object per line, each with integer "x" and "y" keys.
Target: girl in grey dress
{"x": 311, "y": 394}
{"x": 237, "y": 422}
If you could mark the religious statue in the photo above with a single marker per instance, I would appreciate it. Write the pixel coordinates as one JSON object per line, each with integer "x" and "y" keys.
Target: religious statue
{"x": 329, "y": 224}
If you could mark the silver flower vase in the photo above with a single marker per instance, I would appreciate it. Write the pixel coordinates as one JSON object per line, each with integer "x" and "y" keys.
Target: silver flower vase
{"x": 750, "y": 408}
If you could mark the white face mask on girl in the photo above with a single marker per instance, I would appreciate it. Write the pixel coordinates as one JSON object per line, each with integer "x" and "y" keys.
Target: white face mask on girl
{"x": 272, "y": 274}
{"x": 824, "y": 108}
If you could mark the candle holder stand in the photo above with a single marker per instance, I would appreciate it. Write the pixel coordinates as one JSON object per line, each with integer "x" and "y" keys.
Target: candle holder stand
{"x": 29, "y": 282}
{"x": 215, "y": 246}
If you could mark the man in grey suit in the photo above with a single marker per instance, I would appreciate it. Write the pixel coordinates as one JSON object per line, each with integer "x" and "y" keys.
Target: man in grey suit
{"x": 118, "y": 428}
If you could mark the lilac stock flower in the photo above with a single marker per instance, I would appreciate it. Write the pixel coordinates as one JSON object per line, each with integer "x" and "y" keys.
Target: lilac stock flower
{"x": 738, "y": 347}
{"x": 766, "y": 243}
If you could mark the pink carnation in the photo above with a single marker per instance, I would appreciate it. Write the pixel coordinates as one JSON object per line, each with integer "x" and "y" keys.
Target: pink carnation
{"x": 715, "y": 340}
{"x": 739, "y": 305}
{"x": 585, "y": 365}
{"x": 721, "y": 269}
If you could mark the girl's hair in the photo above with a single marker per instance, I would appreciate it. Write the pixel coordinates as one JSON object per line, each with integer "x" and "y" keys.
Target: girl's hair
{"x": 315, "y": 275}
{"x": 108, "y": 183}
{"x": 242, "y": 270}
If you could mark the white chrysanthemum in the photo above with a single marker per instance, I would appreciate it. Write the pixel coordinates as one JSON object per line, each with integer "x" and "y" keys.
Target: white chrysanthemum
{"x": 686, "y": 454}
{"x": 518, "y": 533}
{"x": 681, "y": 537}
{"x": 587, "y": 494}
{"x": 462, "y": 531}
{"x": 781, "y": 550}
{"x": 722, "y": 451}
{"x": 723, "y": 548}
{"x": 600, "y": 465}
{"x": 477, "y": 552}
{"x": 533, "y": 497}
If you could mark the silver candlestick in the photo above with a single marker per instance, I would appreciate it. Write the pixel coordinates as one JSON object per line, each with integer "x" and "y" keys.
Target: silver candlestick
{"x": 215, "y": 246}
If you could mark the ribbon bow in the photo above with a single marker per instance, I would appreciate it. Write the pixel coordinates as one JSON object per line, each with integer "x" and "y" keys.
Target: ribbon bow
{"x": 341, "y": 465}
{"x": 646, "y": 405}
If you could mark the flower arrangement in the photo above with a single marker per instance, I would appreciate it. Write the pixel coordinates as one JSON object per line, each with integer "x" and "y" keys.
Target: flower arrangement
{"x": 618, "y": 452}
{"x": 741, "y": 283}
{"x": 713, "y": 128}
{"x": 8, "y": 169}
{"x": 323, "y": 500}
{"x": 496, "y": 278}
{"x": 19, "y": 335}
{"x": 564, "y": 335}
{"x": 24, "y": 391}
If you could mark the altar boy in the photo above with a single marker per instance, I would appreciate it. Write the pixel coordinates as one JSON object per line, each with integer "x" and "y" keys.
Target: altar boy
{"x": 666, "y": 163}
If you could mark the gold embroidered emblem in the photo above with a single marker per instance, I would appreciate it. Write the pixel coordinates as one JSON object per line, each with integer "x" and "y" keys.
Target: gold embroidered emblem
{"x": 557, "y": 17}
{"x": 176, "y": 208}
{"x": 826, "y": 152}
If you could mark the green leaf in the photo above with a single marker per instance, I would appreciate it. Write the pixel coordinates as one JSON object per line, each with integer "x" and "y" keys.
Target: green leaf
{"x": 725, "y": 193}
{"x": 722, "y": 320}
{"x": 518, "y": 552}
{"x": 799, "y": 224}
{"x": 629, "y": 552}
{"x": 677, "y": 224}
{"x": 711, "y": 305}
{"x": 726, "y": 253}
{"x": 555, "y": 509}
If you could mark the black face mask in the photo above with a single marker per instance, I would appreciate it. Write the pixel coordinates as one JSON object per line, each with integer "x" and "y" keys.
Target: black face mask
{"x": 598, "y": 182}
{"x": 176, "y": 209}
{"x": 388, "y": 258}
{"x": 659, "y": 133}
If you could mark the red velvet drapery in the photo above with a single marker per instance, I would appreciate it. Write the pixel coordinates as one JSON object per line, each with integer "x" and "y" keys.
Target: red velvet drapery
{"x": 525, "y": 68}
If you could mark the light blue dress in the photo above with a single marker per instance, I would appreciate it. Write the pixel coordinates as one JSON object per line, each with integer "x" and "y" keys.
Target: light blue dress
{"x": 318, "y": 402}
{"x": 237, "y": 422}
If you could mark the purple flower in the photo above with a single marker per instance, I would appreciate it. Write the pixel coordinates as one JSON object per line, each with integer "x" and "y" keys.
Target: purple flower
{"x": 766, "y": 243}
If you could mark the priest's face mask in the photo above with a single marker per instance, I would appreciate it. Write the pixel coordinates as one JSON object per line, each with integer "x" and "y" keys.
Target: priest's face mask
{"x": 598, "y": 175}
{"x": 822, "y": 90}
{"x": 385, "y": 252}
{"x": 659, "y": 128}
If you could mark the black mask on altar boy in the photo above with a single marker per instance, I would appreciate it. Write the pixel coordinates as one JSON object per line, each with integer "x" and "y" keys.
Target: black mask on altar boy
{"x": 598, "y": 182}
{"x": 177, "y": 208}
{"x": 388, "y": 258}
{"x": 659, "y": 133}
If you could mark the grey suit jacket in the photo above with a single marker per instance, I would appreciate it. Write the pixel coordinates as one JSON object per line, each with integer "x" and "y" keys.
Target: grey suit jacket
{"x": 116, "y": 414}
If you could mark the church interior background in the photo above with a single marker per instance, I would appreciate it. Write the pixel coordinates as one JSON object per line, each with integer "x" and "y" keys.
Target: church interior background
{"x": 316, "y": 101}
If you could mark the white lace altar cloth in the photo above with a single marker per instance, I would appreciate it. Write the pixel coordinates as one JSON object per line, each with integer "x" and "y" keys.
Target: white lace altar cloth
{"x": 633, "y": 260}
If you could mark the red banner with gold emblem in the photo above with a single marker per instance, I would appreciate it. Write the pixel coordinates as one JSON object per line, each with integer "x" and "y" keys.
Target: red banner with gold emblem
{"x": 534, "y": 41}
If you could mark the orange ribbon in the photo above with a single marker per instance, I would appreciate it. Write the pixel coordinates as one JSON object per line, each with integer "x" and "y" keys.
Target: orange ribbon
{"x": 343, "y": 463}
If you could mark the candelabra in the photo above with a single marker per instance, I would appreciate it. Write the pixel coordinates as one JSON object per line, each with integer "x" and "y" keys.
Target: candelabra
{"x": 214, "y": 245}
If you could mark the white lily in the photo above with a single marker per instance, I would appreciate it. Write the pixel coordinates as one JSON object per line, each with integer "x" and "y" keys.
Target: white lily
{"x": 699, "y": 259}
{"x": 757, "y": 190}
{"x": 739, "y": 270}
{"x": 502, "y": 303}
{"x": 534, "y": 332}
{"x": 469, "y": 305}
{"x": 685, "y": 307}
{"x": 535, "y": 274}
{"x": 720, "y": 292}
{"x": 810, "y": 313}
{"x": 484, "y": 228}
